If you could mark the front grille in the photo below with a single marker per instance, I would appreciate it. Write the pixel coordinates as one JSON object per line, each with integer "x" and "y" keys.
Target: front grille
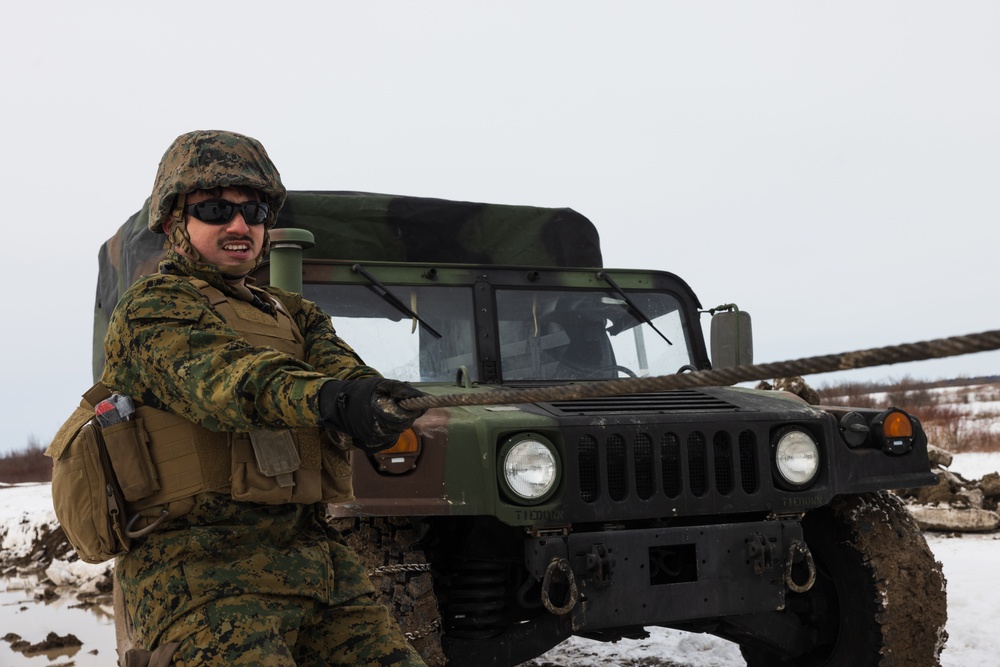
{"x": 680, "y": 401}
{"x": 697, "y": 463}
{"x": 748, "y": 462}
{"x": 722, "y": 446}
{"x": 698, "y": 466}
{"x": 590, "y": 473}
{"x": 670, "y": 465}
{"x": 644, "y": 480}
{"x": 617, "y": 468}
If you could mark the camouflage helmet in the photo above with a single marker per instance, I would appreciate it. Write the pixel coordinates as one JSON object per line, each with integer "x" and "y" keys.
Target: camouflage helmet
{"x": 207, "y": 159}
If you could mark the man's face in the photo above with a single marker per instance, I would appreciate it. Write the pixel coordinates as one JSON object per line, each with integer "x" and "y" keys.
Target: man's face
{"x": 229, "y": 244}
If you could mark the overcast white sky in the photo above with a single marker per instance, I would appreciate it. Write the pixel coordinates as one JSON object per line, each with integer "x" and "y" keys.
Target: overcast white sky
{"x": 832, "y": 168}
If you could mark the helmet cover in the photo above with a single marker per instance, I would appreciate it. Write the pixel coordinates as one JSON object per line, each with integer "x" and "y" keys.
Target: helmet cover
{"x": 207, "y": 159}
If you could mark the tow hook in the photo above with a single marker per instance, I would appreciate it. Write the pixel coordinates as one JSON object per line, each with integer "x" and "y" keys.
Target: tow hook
{"x": 799, "y": 548}
{"x": 559, "y": 569}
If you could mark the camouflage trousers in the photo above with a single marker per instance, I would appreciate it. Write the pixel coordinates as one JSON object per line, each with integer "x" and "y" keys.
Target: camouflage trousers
{"x": 253, "y": 630}
{"x": 243, "y": 584}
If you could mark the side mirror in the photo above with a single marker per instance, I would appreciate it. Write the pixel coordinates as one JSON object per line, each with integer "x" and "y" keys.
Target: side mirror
{"x": 732, "y": 339}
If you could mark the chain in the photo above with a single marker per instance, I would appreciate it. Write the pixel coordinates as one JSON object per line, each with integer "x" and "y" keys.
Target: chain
{"x": 893, "y": 354}
{"x": 385, "y": 570}
{"x": 399, "y": 567}
{"x": 433, "y": 626}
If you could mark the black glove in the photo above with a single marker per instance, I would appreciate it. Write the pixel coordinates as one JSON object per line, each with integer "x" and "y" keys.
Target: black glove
{"x": 368, "y": 410}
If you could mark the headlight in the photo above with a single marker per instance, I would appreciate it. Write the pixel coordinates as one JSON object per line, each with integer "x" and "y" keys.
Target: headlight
{"x": 529, "y": 468}
{"x": 796, "y": 457}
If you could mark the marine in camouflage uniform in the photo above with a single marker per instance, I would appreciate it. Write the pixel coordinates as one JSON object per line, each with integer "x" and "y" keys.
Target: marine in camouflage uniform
{"x": 233, "y": 582}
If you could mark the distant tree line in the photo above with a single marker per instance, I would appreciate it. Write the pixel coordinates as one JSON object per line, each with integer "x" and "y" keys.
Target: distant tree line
{"x": 26, "y": 465}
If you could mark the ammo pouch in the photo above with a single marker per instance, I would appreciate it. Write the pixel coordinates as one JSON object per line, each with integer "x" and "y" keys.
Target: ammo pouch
{"x": 86, "y": 496}
{"x": 129, "y": 452}
{"x": 322, "y": 472}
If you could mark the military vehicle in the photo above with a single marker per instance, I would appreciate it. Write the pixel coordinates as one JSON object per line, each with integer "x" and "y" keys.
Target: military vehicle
{"x": 496, "y": 532}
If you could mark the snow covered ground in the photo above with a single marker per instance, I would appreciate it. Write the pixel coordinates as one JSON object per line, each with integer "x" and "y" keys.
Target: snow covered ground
{"x": 971, "y": 564}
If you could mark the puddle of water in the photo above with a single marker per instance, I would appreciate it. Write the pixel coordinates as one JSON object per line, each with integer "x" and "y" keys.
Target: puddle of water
{"x": 33, "y": 620}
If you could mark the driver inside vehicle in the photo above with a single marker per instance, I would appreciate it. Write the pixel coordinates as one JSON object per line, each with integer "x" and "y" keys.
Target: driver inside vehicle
{"x": 555, "y": 339}
{"x": 587, "y": 353}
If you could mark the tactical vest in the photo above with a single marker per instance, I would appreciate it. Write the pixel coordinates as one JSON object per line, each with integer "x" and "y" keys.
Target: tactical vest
{"x": 303, "y": 465}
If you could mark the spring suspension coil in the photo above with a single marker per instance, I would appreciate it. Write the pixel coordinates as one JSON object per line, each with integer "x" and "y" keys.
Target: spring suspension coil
{"x": 474, "y": 603}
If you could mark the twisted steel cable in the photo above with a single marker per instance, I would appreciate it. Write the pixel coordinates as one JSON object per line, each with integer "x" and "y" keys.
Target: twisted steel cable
{"x": 879, "y": 356}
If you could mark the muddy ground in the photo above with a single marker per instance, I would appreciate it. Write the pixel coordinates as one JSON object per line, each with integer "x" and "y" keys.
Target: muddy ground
{"x": 28, "y": 590}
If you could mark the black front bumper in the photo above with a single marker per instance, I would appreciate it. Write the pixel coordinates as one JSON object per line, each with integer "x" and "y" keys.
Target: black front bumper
{"x": 659, "y": 576}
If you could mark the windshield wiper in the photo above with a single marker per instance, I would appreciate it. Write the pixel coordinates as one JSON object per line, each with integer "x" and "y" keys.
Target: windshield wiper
{"x": 630, "y": 305}
{"x": 391, "y": 298}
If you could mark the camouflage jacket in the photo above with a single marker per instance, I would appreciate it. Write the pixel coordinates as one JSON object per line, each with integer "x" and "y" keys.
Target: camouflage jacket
{"x": 167, "y": 347}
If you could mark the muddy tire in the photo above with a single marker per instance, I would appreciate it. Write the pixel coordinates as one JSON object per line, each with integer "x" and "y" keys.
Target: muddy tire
{"x": 389, "y": 550}
{"x": 879, "y": 597}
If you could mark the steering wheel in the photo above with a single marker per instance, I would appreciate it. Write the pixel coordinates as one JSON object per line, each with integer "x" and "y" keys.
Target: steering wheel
{"x": 687, "y": 368}
{"x": 621, "y": 369}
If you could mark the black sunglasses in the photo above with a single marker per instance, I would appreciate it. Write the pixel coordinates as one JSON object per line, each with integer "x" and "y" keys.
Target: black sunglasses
{"x": 220, "y": 211}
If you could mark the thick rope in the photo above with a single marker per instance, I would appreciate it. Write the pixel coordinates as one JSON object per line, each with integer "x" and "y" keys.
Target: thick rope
{"x": 893, "y": 354}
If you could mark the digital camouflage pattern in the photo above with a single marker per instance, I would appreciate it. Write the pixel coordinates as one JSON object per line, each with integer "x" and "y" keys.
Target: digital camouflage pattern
{"x": 359, "y": 226}
{"x": 207, "y": 159}
{"x": 299, "y": 593}
{"x": 168, "y": 348}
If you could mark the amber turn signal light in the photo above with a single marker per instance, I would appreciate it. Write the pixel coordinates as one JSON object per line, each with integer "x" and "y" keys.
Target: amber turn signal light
{"x": 897, "y": 425}
{"x": 893, "y": 429}
{"x": 407, "y": 443}
{"x": 401, "y": 457}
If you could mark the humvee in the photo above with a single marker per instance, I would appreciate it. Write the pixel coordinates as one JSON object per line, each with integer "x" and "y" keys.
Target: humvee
{"x": 496, "y": 532}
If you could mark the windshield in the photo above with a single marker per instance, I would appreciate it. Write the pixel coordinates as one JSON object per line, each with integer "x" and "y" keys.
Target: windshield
{"x": 582, "y": 335}
{"x": 543, "y": 334}
{"x": 396, "y": 345}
